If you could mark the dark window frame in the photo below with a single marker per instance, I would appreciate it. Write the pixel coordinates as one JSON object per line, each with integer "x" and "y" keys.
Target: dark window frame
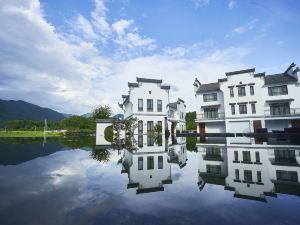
{"x": 251, "y": 90}
{"x": 140, "y": 105}
{"x": 159, "y": 105}
{"x": 149, "y": 105}
{"x": 241, "y": 91}
{"x": 243, "y": 109}
{"x": 278, "y": 90}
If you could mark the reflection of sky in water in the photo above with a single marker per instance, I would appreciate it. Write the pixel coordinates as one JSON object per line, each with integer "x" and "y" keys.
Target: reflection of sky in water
{"x": 69, "y": 187}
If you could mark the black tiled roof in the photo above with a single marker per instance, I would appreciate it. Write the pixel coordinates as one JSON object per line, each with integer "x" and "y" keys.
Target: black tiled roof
{"x": 138, "y": 79}
{"x": 209, "y": 87}
{"x": 279, "y": 78}
{"x": 166, "y": 87}
{"x": 259, "y": 74}
{"x": 133, "y": 84}
{"x": 173, "y": 105}
{"x": 240, "y": 71}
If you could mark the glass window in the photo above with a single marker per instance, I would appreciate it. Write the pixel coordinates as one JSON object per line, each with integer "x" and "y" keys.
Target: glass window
{"x": 280, "y": 108}
{"x": 213, "y": 152}
{"x": 159, "y": 105}
{"x": 243, "y": 109}
{"x": 248, "y": 175}
{"x": 140, "y": 104}
{"x": 213, "y": 169}
{"x": 150, "y": 162}
{"x": 140, "y": 141}
{"x": 211, "y": 113}
{"x": 159, "y": 123}
{"x": 259, "y": 176}
{"x": 149, "y": 105}
{"x": 237, "y": 174}
{"x": 287, "y": 175}
{"x": 150, "y": 140}
{"x": 251, "y": 90}
{"x": 210, "y": 97}
{"x": 285, "y": 156}
{"x": 253, "y": 108}
{"x": 257, "y": 158}
{"x": 246, "y": 156}
{"x": 236, "y": 155}
{"x": 140, "y": 127}
{"x": 278, "y": 90}
{"x": 140, "y": 163}
{"x": 231, "y": 92}
{"x": 232, "y": 109}
{"x": 150, "y": 126}
{"x": 241, "y": 91}
{"x": 160, "y": 162}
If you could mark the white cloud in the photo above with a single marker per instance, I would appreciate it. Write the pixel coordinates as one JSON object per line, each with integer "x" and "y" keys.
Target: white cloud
{"x": 200, "y": 3}
{"x": 68, "y": 73}
{"x": 247, "y": 27}
{"x": 121, "y": 26}
{"x": 232, "y": 4}
{"x": 82, "y": 25}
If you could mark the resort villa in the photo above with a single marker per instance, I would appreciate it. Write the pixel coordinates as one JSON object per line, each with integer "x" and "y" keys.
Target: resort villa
{"x": 245, "y": 101}
{"x": 148, "y": 101}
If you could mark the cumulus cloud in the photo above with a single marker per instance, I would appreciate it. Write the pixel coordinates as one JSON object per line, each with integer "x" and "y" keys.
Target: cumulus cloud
{"x": 232, "y": 4}
{"x": 69, "y": 73}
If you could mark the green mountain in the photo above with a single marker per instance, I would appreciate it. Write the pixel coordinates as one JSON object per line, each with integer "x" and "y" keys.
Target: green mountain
{"x": 13, "y": 110}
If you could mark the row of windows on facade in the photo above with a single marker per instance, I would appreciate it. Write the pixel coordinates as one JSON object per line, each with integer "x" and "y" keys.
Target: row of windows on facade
{"x": 272, "y": 91}
{"x": 150, "y": 126}
{"x": 284, "y": 155}
{"x": 149, "y": 105}
{"x": 243, "y": 108}
{"x": 150, "y": 140}
{"x": 150, "y": 162}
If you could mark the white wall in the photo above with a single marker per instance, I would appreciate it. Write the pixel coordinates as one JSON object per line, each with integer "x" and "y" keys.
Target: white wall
{"x": 215, "y": 127}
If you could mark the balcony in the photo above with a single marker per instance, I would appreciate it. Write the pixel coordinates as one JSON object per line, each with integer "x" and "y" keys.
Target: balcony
{"x": 282, "y": 112}
{"x": 211, "y": 116}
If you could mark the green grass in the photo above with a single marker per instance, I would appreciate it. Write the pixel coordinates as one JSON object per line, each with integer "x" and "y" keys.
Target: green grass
{"x": 29, "y": 134}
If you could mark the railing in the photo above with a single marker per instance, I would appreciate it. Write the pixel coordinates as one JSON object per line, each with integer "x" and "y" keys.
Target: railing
{"x": 214, "y": 116}
{"x": 282, "y": 112}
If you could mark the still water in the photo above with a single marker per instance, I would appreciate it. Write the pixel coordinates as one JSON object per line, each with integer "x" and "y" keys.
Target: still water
{"x": 149, "y": 181}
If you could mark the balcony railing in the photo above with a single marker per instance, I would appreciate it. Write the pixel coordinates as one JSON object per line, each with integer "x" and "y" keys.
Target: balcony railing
{"x": 214, "y": 116}
{"x": 282, "y": 112}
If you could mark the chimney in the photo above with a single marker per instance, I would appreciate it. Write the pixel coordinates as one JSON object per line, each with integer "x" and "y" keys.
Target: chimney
{"x": 197, "y": 84}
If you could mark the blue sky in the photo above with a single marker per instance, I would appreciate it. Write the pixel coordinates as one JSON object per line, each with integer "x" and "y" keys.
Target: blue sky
{"x": 74, "y": 55}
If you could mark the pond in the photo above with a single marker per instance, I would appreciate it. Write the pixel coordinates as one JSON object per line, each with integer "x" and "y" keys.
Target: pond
{"x": 149, "y": 181}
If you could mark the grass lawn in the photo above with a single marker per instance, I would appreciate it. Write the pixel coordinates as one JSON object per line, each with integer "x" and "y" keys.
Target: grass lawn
{"x": 28, "y": 134}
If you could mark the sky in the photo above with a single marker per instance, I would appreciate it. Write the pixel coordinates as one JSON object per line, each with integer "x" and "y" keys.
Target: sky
{"x": 73, "y": 56}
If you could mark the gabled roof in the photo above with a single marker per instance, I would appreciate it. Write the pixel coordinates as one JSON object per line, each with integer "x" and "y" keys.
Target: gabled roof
{"x": 240, "y": 72}
{"x": 279, "y": 78}
{"x": 147, "y": 80}
{"x": 209, "y": 87}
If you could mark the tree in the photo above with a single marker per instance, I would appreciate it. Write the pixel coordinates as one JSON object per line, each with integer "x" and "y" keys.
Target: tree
{"x": 103, "y": 112}
{"x": 190, "y": 121}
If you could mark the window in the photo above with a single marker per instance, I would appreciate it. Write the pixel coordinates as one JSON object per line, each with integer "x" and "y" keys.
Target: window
{"x": 253, "y": 108}
{"x": 232, "y": 109}
{"x": 251, "y": 90}
{"x": 150, "y": 127}
{"x": 236, "y": 156}
{"x": 258, "y": 176}
{"x": 237, "y": 174}
{"x": 140, "y": 141}
{"x": 241, "y": 91}
{"x": 140, "y": 104}
{"x": 231, "y": 92}
{"x": 257, "y": 158}
{"x": 210, "y": 97}
{"x": 287, "y": 175}
{"x": 278, "y": 90}
{"x": 285, "y": 156}
{"x": 213, "y": 152}
{"x": 140, "y": 163}
{"x": 246, "y": 156}
{"x": 243, "y": 109}
{"x": 159, "y": 105}
{"x": 280, "y": 109}
{"x": 213, "y": 169}
{"x": 149, "y": 105}
{"x": 150, "y": 140}
{"x": 160, "y": 162}
{"x": 211, "y": 113}
{"x": 248, "y": 175}
{"x": 140, "y": 127}
{"x": 150, "y": 162}
{"x": 159, "y": 124}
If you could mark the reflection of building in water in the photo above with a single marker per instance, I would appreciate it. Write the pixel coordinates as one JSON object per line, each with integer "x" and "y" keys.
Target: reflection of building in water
{"x": 177, "y": 152}
{"x": 252, "y": 171}
{"x": 147, "y": 167}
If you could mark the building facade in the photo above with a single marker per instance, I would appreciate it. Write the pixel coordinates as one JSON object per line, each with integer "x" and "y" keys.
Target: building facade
{"x": 245, "y": 101}
{"x": 148, "y": 101}
{"x": 176, "y": 116}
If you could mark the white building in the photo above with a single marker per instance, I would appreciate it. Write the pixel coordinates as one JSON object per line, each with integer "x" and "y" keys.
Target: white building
{"x": 147, "y": 167}
{"x": 245, "y": 101}
{"x": 177, "y": 153}
{"x": 176, "y": 116}
{"x": 252, "y": 171}
{"x": 147, "y": 100}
